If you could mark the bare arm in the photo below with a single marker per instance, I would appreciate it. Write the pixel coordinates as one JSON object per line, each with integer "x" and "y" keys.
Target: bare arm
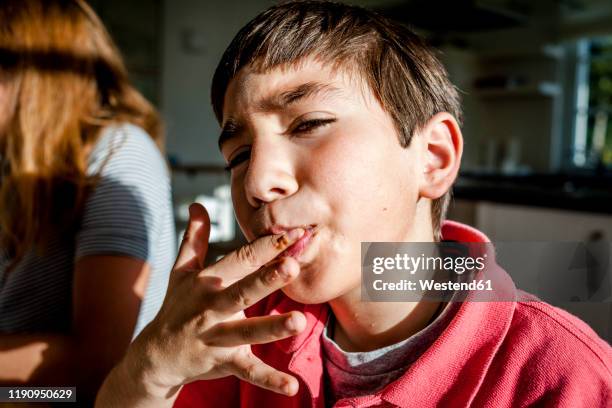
{"x": 106, "y": 300}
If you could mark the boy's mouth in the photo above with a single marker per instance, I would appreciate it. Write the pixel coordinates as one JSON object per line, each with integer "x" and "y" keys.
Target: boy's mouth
{"x": 300, "y": 245}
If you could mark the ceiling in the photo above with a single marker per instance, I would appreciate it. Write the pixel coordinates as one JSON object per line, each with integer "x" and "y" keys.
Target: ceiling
{"x": 487, "y": 15}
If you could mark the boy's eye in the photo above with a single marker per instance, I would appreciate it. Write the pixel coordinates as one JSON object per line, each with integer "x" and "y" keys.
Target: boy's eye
{"x": 310, "y": 125}
{"x": 305, "y": 126}
{"x": 239, "y": 158}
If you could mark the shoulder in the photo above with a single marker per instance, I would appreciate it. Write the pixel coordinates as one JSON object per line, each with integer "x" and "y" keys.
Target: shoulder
{"x": 125, "y": 145}
{"x": 124, "y": 134}
{"x": 129, "y": 209}
{"x": 130, "y": 177}
{"x": 560, "y": 330}
{"x": 549, "y": 351}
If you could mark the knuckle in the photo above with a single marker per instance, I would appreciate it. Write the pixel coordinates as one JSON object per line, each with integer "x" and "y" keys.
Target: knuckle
{"x": 239, "y": 297}
{"x": 247, "y": 332}
{"x": 269, "y": 276}
{"x": 208, "y": 283}
{"x": 204, "y": 319}
{"x": 250, "y": 372}
{"x": 247, "y": 256}
{"x": 266, "y": 381}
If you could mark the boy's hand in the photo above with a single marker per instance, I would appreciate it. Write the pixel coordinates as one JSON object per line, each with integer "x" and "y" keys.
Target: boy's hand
{"x": 201, "y": 332}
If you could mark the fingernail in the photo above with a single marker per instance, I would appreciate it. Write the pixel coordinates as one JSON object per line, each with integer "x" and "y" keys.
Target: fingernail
{"x": 290, "y": 324}
{"x": 293, "y": 323}
{"x": 288, "y": 388}
{"x": 284, "y": 269}
{"x": 295, "y": 234}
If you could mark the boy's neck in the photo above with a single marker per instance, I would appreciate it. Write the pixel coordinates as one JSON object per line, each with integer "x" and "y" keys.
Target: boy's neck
{"x": 366, "y": 326}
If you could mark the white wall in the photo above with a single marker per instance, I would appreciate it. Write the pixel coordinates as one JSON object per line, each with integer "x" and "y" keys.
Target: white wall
{"x": 192, "y": 130}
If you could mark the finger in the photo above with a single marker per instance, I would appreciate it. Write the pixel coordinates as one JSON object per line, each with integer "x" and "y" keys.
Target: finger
{"x": 251, "y": 369}
{"x": 251, "y": 257}
{"x": 194, "y": 245}
{"x": 256, "y": 330}
{"x": 254, "y": 287}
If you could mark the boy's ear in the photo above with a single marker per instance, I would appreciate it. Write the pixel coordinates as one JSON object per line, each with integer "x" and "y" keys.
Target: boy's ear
{"x": 443, "y": 146}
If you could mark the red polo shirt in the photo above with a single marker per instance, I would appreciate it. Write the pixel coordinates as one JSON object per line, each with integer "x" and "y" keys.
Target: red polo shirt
{"x": 492, "y": 354}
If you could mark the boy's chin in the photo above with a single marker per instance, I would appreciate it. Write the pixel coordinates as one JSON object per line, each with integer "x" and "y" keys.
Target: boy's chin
{"x": 307, "y": 297}
{"x": 313, "y": 292}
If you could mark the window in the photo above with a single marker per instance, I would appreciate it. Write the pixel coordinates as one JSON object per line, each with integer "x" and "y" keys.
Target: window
{"x": 592, "y": 141}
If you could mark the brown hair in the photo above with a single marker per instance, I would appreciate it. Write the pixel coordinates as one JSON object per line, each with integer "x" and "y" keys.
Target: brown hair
{"x": 65, "y": 81}
{"x": 400, "y": 69}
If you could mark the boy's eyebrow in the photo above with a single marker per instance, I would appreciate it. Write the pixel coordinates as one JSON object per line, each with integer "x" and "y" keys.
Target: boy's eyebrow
{"x": 303, "y": 91}
{"x": 278, "y": 102}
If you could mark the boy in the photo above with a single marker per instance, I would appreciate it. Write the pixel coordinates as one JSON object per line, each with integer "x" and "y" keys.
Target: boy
{"x": 339, "y": 127}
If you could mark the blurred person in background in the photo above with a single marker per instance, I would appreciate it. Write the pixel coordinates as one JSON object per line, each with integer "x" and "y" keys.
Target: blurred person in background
{"x": 86, "y": 224}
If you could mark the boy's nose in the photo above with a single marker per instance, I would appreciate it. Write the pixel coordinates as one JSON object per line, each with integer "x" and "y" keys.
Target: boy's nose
{"x": 269, "y": 176}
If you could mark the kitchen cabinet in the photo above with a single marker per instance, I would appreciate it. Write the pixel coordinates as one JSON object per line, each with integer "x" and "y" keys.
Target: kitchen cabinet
{"x": 504, "y": 222}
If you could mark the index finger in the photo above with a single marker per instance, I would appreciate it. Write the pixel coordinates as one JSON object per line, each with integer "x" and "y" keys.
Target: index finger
{"x": 251, "y": 257}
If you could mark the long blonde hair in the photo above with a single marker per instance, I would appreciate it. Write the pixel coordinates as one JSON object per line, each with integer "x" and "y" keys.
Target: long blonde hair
{"x": 65, "y": 82}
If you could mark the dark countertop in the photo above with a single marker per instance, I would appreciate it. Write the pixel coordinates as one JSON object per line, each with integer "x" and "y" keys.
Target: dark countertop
{"x": 578, "y": 192}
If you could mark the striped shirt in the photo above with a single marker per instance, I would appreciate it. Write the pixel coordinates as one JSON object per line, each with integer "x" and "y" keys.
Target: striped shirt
{"x": 129, "y": 213}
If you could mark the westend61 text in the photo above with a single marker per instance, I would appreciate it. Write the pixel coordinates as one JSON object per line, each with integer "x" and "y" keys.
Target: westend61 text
{"x": 430, "y": 284}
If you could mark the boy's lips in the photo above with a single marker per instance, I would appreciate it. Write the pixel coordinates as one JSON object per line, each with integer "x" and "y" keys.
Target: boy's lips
{"x": 298, "y": 247}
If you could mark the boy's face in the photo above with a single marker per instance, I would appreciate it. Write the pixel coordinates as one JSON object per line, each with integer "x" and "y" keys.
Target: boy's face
{"x": 314, "y": 148}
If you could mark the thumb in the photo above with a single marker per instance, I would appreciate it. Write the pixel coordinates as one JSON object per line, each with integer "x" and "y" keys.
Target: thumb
{"x": 194, "y": 245}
